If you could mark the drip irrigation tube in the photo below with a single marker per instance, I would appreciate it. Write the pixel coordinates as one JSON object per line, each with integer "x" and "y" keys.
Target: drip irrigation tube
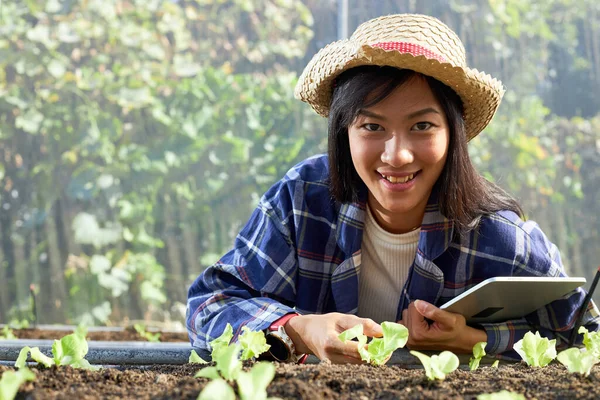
{"x": 148, "y": 353}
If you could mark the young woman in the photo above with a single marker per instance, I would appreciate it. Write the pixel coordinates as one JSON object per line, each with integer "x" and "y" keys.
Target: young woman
{"x": 393, "y": 222}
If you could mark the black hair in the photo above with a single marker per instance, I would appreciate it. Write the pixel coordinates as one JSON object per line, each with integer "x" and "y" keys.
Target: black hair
{"x": 464, "y": 195}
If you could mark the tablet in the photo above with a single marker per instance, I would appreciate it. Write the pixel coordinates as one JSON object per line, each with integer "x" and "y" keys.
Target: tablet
{"x": 509, "y": 297}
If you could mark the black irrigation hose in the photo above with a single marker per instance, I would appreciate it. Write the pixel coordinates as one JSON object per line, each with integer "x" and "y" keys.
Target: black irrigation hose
{"x": 148, "y": 353}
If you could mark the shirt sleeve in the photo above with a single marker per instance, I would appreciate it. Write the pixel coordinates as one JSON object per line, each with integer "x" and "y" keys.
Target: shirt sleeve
{"x": 537, "y": 256}
{"x": 254, "y": 284}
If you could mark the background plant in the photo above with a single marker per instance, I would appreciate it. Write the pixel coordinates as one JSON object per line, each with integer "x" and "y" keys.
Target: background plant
{"x": 136, "y": 136}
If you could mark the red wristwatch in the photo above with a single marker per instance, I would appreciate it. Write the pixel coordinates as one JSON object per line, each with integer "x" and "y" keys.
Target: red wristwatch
{"x": 282, "y": 346}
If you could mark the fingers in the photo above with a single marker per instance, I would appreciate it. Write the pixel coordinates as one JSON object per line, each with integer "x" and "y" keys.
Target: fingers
{"x": 341, "y": 352}
{"x": 428, "y": 310}
{"x": 370, "y": 327}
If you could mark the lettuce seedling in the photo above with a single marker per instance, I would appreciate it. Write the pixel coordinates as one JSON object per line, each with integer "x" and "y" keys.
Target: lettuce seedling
{"x": 438, "y": 365}
{"x": 535, "y": 350}
{"x": 495, "y": 364}
{"x": 11, "y": 381}
{"x": 196, "y": 359}
{"x": 577, "y": 360}
{"x": 591, "y": 341}
{"x": 478, "y": 353}
{"x": 378, "y": 350}
{"x": 7, "y": 333}
{"x": 70, "y": 350}
{"x": 252, "y": 385}
{"x": 228, "y": 365}
{"x": 501, "y": 395}
{"x": 217, "y": 389}
{"x": 141, "y": 330}
{"x": 253, "y": 343}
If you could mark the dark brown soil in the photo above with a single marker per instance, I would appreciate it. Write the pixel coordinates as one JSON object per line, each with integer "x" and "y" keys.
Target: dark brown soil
{"x": 127, "y": 335}
{"x": 324, "y": 381}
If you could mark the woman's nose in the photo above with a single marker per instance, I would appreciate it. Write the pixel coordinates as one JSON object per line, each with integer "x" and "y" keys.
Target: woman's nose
{"x": 397, "y": 152}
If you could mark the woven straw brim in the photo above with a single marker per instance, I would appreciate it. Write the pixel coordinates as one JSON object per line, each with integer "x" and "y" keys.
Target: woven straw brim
{"x": 480, "y": 93}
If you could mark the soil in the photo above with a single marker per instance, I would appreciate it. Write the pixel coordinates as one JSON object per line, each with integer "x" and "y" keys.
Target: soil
{"x": 314, "y": 381}
{"x": 127, "y": 335}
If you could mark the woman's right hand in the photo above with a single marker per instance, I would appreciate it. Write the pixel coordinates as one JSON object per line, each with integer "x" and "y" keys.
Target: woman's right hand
{"x": 318, "y": 334}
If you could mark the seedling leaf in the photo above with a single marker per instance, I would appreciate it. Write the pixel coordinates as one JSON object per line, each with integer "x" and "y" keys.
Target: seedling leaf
{"x": 438, "y": 366}
{"x": 495, "y": 364}
{"x": 222, "y": 341}
{"x": 217, "y": 389}
{"x": 36, "y": 355}
{"x": 69, "y": 349}
{"x": 7, "y": 333}
{"x": 535, "y": 350}
{"x": 577, "y": 360}
{"x": 591, "y": 341}
{"x": 378, "y": 350}
{"x": 196, "y": 359}
{"x": 208, "y": 372}
{"x": 11, "y": 381}
{"x": 253, "y": 385}
{"x": 478, "y": 353}
{"x": 253, "y": 343}
{"x": 227, "y": 361}
{"x": 351, "y": 333}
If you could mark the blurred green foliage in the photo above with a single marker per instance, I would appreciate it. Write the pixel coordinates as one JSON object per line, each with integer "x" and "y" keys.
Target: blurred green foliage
{"x": 136, "y": 136}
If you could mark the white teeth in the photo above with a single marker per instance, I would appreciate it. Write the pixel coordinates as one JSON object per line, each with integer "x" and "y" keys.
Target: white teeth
{"x": 397, "y": 179}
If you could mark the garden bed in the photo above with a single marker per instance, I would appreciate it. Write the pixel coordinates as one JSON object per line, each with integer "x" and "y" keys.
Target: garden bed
{"x": 317, "y": 381}
{"x": 310, "y": 381}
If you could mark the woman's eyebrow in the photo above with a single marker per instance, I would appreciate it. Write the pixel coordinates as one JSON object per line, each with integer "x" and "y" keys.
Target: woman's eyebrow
{"x": 418, "y": 113}
{"x": 371, "y": 114}
{"x": 424, "y": 111}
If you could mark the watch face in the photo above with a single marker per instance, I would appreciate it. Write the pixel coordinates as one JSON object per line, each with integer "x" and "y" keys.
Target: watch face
{"x": 278, "y": 349}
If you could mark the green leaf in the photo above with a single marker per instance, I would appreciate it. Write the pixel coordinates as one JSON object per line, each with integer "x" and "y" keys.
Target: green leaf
{"x": 36, "y": 355}
{"x": 227, "y": 361}
{"x": 577, "y": 360}
{"x": 351, "y": 333}
{"x": 217, "y": 389}
{"x": 222, "y": 341}
{"x": 85, "y": 364}
{"x": 11, "y": 381}
{"x": 535, "y": 350}
{"x": 196, "y": 359}
{"x": 591, "y": 341}
{"x": 69, "y": 349}
{"x": 7, "y": 333}
{"x": 438, "y": 366}
{"x": 395, "y": 336}
{"x": 478, "y": 353}
{"x": 253, "y": 343}
{"x": 474, "y": 363}
{"x": 253, "y": 385}
{"x": 495, "y": 364}
{"x": 208, "y": 372}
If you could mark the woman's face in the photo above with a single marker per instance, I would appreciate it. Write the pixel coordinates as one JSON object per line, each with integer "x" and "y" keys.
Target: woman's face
{"x": 399, "y": 147}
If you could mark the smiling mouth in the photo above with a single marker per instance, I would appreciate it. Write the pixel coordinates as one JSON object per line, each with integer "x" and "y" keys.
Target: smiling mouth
{"x": 400, "y": 179}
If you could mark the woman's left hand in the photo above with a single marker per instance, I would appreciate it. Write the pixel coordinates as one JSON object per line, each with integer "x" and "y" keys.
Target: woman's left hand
{"x": 448, "y": 331}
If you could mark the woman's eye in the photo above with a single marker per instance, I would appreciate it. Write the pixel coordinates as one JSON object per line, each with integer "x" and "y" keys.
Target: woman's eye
{"x": 422, "y": 126}
{"x": 372, "y": 127}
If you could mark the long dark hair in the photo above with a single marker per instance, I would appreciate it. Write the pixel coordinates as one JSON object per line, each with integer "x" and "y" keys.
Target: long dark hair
{"x": 464, "y": 195}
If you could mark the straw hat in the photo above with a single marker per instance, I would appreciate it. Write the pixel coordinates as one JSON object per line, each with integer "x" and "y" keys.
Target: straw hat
{"x": 407, "y": 41}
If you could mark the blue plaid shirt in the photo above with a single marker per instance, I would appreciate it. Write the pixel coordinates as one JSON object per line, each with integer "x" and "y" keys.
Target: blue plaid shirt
{"x": 301, "y": 252}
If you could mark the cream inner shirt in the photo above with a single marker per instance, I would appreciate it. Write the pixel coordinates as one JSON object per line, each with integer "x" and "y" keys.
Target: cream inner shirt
{"x": 386, "y": 260}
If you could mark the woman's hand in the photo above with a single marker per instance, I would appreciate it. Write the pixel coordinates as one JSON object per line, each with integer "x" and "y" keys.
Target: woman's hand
{"x": 449, "y": 331}
{"x": 318, "y": 335}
